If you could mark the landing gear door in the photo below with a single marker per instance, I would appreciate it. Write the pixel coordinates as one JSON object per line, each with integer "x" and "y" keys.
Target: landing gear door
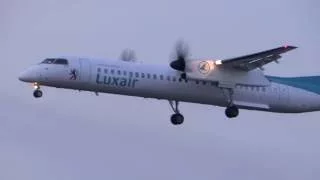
{"x": 85, "y": 70}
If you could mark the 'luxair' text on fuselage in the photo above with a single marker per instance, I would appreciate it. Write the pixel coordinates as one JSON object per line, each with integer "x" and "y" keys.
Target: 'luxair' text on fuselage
{"x": 104, "y": 79}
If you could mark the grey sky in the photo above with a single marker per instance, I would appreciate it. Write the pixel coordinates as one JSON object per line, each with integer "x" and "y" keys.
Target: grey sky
{"x": 71, "y": 135}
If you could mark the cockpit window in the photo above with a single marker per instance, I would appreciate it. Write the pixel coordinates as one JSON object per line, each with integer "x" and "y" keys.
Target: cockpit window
{"x": 48, "y": 61}
{"x": 61, "y": 61}
{"x": 55, "y": 61}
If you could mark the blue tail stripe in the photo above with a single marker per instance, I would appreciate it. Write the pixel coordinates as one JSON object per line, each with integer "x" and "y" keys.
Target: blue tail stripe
{"x": 309, "y": 83}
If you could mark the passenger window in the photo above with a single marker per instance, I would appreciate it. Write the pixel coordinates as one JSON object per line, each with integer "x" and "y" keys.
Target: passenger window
{"x": 131, "y": 74}
{"x": 149, "y": 76}
{"x": 154, "y": 76}
{"x": 264, "y": 89}
{"x": 106, "y": 71}
{"x": 99, "y": 69}
{"x": 197, "y": 82}
{"x": 137, "y": 74}
{"x": 174, "y": 78}
{"x": 161, "y": 77}
{"x": 168, "y": 78}
{"x": 204, "y": 82}
{"x": 125, "y": 73}
{"x": 142, "y": 75}
{"x": 119, "y": 72}
{"x": 61, "y": 61}
{"x": 112, "y": 71}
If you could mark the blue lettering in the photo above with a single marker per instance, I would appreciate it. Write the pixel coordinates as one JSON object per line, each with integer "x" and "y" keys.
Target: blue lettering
{"x": 116, "y": 81}
{"x": 98, "y": 79}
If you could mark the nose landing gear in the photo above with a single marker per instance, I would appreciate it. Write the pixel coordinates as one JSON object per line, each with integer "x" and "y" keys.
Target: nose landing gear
{"x": 37, "y": 93}
{"x": 177, "y": 119}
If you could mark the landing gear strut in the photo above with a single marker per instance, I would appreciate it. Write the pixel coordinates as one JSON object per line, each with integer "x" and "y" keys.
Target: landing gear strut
{"x": 176, "y": 118}
{"x": 232, "y": 110}
{"x": 37, "y": 93}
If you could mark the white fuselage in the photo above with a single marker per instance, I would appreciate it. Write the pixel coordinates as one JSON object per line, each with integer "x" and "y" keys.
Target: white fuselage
{"x": 162, "y": 82}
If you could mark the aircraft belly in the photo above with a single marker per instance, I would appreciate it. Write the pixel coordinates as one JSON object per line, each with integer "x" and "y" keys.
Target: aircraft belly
{"x": 274, "y": 98}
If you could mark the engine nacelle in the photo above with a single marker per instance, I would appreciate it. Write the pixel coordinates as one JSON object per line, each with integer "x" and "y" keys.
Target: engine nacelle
{"x": 213, "y": 70}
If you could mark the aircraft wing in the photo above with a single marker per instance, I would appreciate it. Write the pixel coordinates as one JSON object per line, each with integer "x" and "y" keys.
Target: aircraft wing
{"x": 256, "y": 60}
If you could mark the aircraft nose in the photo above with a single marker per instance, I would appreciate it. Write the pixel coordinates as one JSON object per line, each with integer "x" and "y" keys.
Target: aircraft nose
{"x": 28, "y": 76}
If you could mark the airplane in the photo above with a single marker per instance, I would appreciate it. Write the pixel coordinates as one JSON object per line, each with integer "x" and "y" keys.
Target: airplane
{"x": 234, "y": 83}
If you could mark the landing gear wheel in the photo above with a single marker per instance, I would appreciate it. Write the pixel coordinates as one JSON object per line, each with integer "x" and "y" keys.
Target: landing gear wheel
{"x": 37, "y": 93}
{"x": 232, "y": 111}
{"x": 177, "y": 119}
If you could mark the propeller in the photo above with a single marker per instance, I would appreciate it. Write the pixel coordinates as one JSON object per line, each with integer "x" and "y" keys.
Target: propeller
{"x": 128, "y": 55}
{"x": 180, "y": 56}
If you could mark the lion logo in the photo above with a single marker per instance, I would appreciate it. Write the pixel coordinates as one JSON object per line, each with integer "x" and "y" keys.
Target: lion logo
{"x": 73, "y": 74}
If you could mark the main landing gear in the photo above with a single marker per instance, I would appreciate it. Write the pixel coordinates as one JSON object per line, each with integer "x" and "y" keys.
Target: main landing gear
{"x": 232, "y": 110}
{"x": 176, "y": 118}
{"x": 37, "y": 93}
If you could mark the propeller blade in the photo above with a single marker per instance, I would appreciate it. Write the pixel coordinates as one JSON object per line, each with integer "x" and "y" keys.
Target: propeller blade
{"x": 179, "y": 65}
{"x": 128, "y": 55}
{"x": 181, "y": 55}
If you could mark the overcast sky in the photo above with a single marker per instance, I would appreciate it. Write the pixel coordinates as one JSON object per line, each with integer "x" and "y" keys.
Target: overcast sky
{"x": 72, "y": 135}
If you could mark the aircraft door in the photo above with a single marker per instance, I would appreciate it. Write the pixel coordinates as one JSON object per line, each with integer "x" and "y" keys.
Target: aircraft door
{"x": 283, "y": 94}
{"x": 85, "y": 70}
